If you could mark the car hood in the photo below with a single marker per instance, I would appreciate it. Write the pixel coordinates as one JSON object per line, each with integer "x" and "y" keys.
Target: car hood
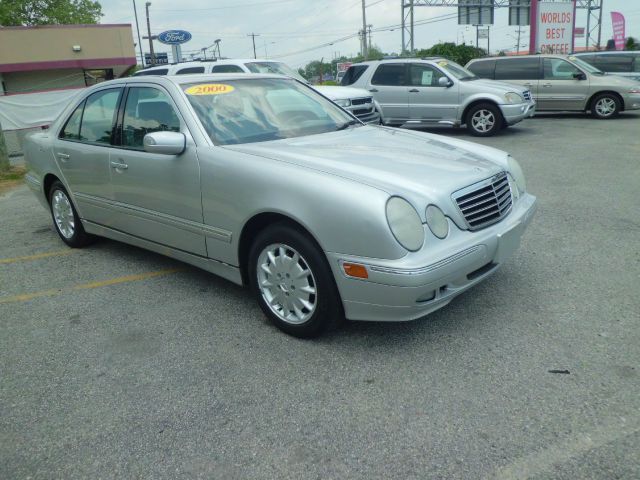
{"x": 419, "y": 166}
{"x": 614, "y": 81}
{"x": 341, "y": 93}
{"x": 493, "y": 86}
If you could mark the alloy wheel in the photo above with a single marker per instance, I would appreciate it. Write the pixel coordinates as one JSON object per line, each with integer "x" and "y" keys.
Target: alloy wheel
{"x": 483, "y": 120}
{"x": 63, "y": 214}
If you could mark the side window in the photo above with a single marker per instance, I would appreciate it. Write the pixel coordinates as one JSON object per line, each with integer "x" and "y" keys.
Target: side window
{"x": 353, "y": 74}
{"x": 71, "y": 130}
{"x": 424, "y": 75}
{"x": 157, "y": 71}
{"x": 227, "y": 69}
{"x": 636, "y": 63}
{"x": 518, "y": 69}
{"x": 484, "y": 68}
{"x": 615, "y": 63}
{"x": 147, "y": 110}
{"x": 186, "y": 71}
{"x": 389, "y": 74}
{"x": 558, "y": 69}
{"x": 99, "y": 116}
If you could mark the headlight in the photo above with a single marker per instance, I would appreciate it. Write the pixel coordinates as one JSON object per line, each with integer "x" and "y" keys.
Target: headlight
{"x": 437, "y": 222}
{"x": 405, "y": 223}
{"x": 513, "y": 98}
{"x": 518, "y": 175}
{"x": 343, "y": 102}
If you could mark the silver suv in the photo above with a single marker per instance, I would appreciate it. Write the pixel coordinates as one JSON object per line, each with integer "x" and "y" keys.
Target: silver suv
{"x": 563, "y": 83}
{"x": 415, "y": 92}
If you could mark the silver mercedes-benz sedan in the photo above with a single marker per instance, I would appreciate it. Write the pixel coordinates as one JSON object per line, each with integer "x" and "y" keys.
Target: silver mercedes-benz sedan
{"x": 263, "y": 181}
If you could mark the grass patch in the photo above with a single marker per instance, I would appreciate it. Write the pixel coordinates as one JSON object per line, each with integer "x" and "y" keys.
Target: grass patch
{"x": 11, "y": 178}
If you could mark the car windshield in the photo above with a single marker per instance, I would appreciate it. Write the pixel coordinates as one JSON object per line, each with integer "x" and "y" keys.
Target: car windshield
{"x": 456, "y": 70}
{"x": 274, "y": 67}
{"x": 263, "y": 109}
{"x": 586, "y": 66}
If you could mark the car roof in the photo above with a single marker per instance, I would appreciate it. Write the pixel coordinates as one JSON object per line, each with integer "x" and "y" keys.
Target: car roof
{"x": 402, "y": 60}
{"x": 185, "y": 79}
{"x": 538, "y": 55}
{"x": 609, "y": 52}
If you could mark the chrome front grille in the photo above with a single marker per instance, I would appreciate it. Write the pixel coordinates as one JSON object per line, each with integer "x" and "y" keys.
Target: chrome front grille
{"x": 486, "y": 202}
{"x": 527, "y": 95}
{"x": 361, "y": 101}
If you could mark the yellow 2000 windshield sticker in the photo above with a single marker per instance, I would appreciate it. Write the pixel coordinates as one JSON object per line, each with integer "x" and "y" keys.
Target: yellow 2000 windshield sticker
{"x": 443, "y": 63}
{"x": 209, "y": 89}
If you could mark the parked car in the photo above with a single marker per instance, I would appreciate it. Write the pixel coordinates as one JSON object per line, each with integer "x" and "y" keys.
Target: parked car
{"x": 356, "y": 101}
{"x": 621, "y": 63}
{"x": 563, "y": 83}
{"x": 416, "y": 92}
{"x": 265, "y": 182}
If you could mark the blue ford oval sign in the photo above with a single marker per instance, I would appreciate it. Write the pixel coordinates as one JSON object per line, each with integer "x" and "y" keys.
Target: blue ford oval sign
{"x": 174, "y": 37}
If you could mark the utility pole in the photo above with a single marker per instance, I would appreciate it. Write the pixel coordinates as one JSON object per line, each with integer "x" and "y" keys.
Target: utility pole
{"x": 370, "y": 27}
{"x": 253, "y": 37}
{"x": 600, "y": 25}
{"x": 153, "y": 57}
{"x": 365, "y": 53}
{"x": 519, "y": 32}
{"x": 135, "y": 12}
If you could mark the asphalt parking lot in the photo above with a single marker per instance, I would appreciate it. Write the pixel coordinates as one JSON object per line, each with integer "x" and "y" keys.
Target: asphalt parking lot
{"x": 120, "y": 363}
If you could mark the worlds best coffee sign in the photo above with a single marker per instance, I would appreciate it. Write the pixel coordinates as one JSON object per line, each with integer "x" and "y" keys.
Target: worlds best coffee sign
{"x": 552, "y": 26}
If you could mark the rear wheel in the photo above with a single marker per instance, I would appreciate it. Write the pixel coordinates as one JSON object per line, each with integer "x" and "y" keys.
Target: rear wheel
{"x": 606, "y": 106}
{"x": 66, "y": 219}
{"x": 293, "y": 283}
{"x": 484, "y": 120}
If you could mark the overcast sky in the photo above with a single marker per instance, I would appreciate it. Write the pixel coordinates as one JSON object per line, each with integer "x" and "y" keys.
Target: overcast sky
{"x": 290, "y": 30}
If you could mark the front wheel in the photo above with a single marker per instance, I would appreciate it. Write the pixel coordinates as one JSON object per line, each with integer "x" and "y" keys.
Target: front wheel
{"x": 293, "y": 283}
{"x": 606, "y": 106}
{"x": 66, "y": 219}
{"x": 484, "y": 120}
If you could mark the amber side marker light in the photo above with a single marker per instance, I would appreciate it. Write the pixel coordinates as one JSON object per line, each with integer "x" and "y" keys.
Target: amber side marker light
{"x": 355, "y": 270}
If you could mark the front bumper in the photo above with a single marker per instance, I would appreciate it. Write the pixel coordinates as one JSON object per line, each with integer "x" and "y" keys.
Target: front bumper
{"x": 516, "y": 113}
{"x": 632, "y": 101}
{"x": 420, "y": 283}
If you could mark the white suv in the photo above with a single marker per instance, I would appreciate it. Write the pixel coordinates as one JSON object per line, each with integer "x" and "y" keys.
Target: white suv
{"x": 356, "y": 101}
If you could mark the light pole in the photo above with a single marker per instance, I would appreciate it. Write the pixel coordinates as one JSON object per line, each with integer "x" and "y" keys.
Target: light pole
{"x": 135, "y": 12}
{"x": 153, "y": 57}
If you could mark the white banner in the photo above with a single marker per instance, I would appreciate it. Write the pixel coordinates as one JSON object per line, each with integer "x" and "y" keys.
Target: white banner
{"x": 34, "y": 109}
{"x": 555, "y": 23}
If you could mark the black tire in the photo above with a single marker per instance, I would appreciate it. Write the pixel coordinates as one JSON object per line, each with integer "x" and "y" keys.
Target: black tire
{"x": 327, "y": 310}
{"x": 488, "y": 111}
{"x": 605, "y": 106}
{"x": 77, "y": 237}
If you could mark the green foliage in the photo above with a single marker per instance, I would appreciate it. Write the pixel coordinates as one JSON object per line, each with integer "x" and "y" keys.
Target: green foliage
{"x": 49, "y": 12}
{"x": 461, "y": 54}
{"x": 631, "y": 44}
{"x": 4, "y": 158}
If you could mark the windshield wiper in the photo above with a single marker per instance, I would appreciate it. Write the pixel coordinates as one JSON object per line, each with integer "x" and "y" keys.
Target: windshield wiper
{"x": 346, "y": 125}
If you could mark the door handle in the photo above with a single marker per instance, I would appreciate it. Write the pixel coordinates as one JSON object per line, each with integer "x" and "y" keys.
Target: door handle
{"x": 414, "y": 90}
{"x": 528, "y": 84}
{"x": 119, "y": 166}
{"x": 63, "y": 156}
{"x": 373, "y": 90}
{"x": 547, "y": 85}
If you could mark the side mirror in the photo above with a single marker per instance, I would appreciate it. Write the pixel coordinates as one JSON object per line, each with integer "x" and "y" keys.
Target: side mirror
{"x": 579, "y": 76}
{"x": 444, "y": 82}
{"x": 165, "y": 143}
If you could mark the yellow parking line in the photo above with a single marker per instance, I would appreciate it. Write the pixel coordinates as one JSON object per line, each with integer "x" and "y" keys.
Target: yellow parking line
{"x": 57, "y": 253}
{"x": 87, "y": 286}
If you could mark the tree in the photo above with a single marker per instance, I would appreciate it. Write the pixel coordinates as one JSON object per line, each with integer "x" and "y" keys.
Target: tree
{"x": 461, "y": 54}
{"x": 631, "y": 44}
{"x": 4, "y": 158}
{"x": 49, "y": 12}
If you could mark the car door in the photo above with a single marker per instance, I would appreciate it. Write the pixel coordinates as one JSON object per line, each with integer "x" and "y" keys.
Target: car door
{"x": 563, "y": 86}
{"x": 82, "y": 151}
{"x": 428, "y": 101}
{"x": 389, "y": 87}
{"x": 524, "y": 72}
{"x": 157, "y": 196}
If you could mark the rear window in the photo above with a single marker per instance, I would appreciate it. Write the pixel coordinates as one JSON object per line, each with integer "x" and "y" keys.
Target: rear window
{"x": 518, "y": 69}
{"x": 186, "y": 71}
{"x": 227, "y": 69}
{"x": 390, "y": 74}
{"x": 483, "y": 68}
{"x": 157, "y": 71}
{"x": 352, "y": 74}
